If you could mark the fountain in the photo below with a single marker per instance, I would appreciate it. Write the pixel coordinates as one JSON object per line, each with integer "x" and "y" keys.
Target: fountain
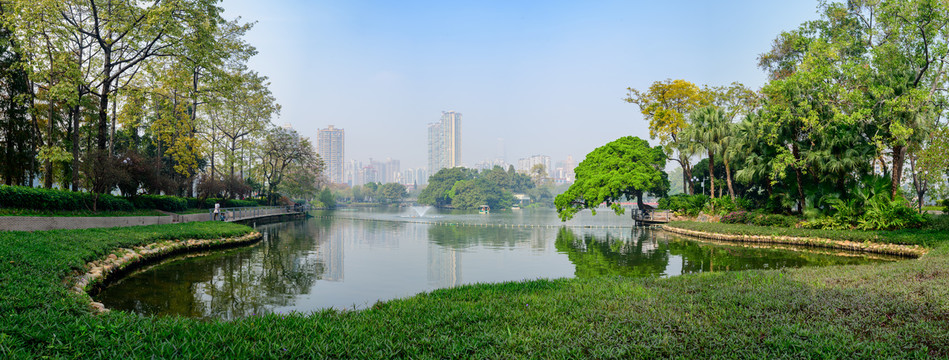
{"x": 420, "y": 210}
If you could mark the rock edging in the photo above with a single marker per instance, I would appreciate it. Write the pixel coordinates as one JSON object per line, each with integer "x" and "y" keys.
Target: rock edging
{"x": 913, "y": 251}
{"x": 124, "y": 259}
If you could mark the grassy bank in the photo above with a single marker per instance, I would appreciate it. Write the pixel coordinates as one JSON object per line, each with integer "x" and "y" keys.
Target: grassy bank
{"x": 898, "y": 309}
{"x": 934, "y": 234}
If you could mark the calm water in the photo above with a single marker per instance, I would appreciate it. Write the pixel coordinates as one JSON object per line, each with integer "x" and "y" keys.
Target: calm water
{"x": 352, "y": 259}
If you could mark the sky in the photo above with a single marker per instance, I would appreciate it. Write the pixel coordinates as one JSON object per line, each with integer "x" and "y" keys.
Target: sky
{"x": 547, "y": 77}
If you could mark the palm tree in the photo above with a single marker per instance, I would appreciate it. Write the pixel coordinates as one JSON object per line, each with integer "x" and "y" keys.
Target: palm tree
{"x": 711, "y": 129}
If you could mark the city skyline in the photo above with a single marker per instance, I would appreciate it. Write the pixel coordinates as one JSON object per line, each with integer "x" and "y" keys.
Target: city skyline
{"x": 547, "y": 77}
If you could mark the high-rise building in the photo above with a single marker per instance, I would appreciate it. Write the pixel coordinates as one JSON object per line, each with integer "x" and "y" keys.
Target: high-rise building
{"x": 330, "y": 147}
{"x": 444, "y": 142}
{"x": 526, "y": 164}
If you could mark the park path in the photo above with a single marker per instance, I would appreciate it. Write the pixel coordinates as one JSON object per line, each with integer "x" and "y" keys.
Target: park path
{"x": 42, "y": 223}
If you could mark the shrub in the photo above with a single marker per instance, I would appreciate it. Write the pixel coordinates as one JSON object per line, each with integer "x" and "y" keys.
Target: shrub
{"x": 774, "y": 220}
{"x": 945, "y": 206}
{"x": 721, "y": 205}
{"x": 885, "y": 214}
{"x": 22, "y": 197}
{"x": 685, "y": 204}
{"x": 737, "y": 217}
{"x": 160, "y": 202}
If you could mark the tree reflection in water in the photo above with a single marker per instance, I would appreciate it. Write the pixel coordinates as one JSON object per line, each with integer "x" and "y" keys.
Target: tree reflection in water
{"x": 230, "y": 284}
{"x": 655, "y": 253}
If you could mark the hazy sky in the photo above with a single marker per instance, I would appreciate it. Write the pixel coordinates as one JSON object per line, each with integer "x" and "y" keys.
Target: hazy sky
{"x": 546, "y": 76}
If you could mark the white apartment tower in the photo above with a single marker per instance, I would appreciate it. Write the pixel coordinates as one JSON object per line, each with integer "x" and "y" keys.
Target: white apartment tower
{"x": 330, "y": 147}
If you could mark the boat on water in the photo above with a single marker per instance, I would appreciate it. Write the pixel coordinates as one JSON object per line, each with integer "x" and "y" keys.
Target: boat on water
{"x": 484, "y": 209}
{"x": 515, "y": 207}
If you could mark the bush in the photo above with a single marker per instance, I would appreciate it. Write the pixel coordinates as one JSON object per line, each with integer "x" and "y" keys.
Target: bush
{"x": 945, "y": 206}
{"x": 722, "y": 205}
{"x": 737, "y": 217}
{"x": 774, "y": 220}
{"x": 22, "y": 197}
{"x": 885, "y": 214}
{"x": 690, "y": 205}
{"x": 160, "y": 202}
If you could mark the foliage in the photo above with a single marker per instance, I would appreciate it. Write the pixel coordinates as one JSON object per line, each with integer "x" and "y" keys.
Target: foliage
{"x": 436, "y": 193}
{"x": 327, "y": 199}
{"x": 885, "y": 214}
{"x": 724, "y": 205}
{"x": 689, "y": 205}
{"x": 468, "y": 189}
{"x": 622, "y": 169}
{"x": 159, "y": 202}
{"x": 392, "y": 193}
{"x": 50, "y": 199}
{"x": 737, "y": 217}
{"x": 471, "y": 194}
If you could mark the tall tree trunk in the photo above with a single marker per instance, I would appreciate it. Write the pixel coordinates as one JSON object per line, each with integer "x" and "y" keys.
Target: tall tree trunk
{"x": 801, "y": 201}
{"x": 899, "y": 157}
{"x": 711, "y": 173}
{"x": 728, "y": 178}
{"x": 75, "y": 147}
{"x": 48, "y": 180}
{"x": 103, "y": 128}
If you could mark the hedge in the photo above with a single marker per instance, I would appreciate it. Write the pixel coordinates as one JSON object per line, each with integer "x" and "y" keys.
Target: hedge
{"x": 22, "y": 197}
{"x": 160, "y": 202}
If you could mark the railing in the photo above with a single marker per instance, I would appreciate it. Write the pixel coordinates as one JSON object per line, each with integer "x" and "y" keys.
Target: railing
{"x": 249, "y": 212}
{"x": 652, "y": 216}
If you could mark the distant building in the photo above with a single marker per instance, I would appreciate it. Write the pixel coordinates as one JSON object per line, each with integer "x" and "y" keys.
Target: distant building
{"x": 564, "y": 171}
{"x": 330, "y": 147}
{"x": 444, "y": 142}
{"x": 526, "y": 164}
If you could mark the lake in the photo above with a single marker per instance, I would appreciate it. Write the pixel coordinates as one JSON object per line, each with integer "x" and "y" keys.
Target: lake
{"x": 352, "y": 258}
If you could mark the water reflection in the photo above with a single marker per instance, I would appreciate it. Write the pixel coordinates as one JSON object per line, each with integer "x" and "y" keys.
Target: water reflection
{"x": 655, "y": 253}
{"x": 360, "y": 257}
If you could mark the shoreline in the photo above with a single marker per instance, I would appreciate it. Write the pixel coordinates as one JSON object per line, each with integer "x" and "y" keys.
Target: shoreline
{"x": 909, "y": 251}
{"x": 122, "y": 261}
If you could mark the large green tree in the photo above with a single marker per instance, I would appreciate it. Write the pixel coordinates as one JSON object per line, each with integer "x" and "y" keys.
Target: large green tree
{"x": 623, "y": 169}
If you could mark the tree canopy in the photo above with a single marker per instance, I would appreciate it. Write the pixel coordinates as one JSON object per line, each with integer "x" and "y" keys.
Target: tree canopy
{"x": 623, "y": 169}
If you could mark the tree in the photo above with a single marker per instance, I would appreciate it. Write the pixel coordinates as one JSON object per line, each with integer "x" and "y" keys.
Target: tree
{"x": 281, "y": 148}
{"x": 392, "y": 193}
{"x": 625, "y": 168}
{"x": 16, "y": 138}
{"x": 713, "y": 130}
{"x": 665, "y": 106}
{"x": 437, "y": 193}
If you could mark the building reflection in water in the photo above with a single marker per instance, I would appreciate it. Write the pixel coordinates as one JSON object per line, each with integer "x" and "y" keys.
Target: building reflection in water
{"x": 444, "y": 266}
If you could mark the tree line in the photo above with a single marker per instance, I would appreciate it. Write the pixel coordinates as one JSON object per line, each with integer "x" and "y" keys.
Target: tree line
{"x": 854, "y": 98}
{"x": 143, "y": 97}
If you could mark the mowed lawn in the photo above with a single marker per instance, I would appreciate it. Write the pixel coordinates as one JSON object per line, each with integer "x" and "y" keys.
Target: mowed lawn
{"x": 898, "y": 309}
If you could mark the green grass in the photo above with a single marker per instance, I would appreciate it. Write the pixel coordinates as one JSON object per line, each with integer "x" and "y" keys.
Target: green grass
{"x": 898, "y": 309}
{"x": 77, "y": 213}
{"x": 935, "y": 233}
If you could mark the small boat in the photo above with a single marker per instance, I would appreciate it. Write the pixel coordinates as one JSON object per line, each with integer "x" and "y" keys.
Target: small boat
{"x": 484, "y": 209}
{"x": 515, "y": 207}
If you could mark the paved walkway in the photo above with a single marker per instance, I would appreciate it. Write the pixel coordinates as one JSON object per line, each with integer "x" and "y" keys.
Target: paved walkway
{"x": 40, "y": 223}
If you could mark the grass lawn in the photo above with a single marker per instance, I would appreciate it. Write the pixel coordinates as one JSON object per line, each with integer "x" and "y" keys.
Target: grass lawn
{"x": 77, "y": 213}
{"x": 898, "y": 309}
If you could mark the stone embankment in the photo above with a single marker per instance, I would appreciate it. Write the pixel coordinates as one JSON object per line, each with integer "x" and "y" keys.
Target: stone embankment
{"x": 913, "y": 251}
{"x": 123, "y": 260}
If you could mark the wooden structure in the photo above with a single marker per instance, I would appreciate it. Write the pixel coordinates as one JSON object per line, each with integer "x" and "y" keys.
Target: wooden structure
{"x": 651, "y": 217}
